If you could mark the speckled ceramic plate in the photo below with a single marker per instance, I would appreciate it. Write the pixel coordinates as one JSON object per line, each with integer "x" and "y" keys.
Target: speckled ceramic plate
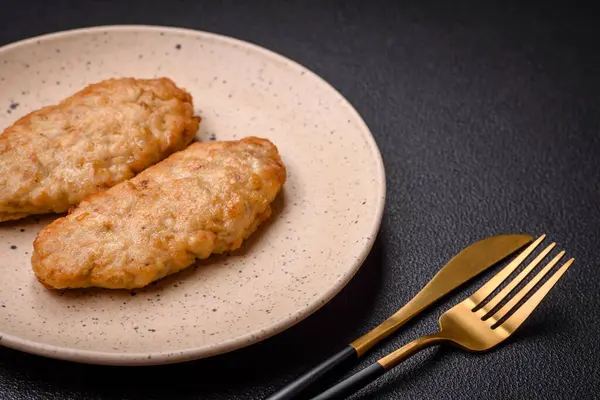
{"x": 323, "y": 226}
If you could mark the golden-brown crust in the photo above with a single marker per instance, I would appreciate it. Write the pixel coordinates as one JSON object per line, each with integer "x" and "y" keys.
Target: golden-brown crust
{"x": 106, "y": 133}
{"x": 205, "y": 199}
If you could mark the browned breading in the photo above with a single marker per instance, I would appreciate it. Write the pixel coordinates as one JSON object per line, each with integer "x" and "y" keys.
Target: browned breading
{"x": 205, "y": 199}
{"x": 104, "y": 134}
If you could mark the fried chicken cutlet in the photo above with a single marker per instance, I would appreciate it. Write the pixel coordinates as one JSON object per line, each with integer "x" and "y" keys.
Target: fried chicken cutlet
{"x": 205, "y": 199}
{"x": 104, "y": 134}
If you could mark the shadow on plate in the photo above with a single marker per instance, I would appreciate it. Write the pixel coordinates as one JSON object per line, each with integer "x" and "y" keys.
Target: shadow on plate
{"x": 31, "y": 223}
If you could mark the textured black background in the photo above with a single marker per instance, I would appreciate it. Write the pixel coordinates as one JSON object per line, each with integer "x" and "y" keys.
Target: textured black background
{"x": 487, "y": 118}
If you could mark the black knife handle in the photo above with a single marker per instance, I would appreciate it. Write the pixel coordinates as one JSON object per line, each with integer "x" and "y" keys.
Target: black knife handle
{"x": 354, "y": 383}
{"x": 293, "y": 389}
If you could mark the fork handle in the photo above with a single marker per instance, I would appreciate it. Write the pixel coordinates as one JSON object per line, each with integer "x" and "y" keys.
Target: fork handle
{"x": 375, "y": 370}
{"x": 292, "y": 390}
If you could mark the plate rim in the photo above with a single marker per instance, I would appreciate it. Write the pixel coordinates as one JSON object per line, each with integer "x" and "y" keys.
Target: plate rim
{"x": 248, "y": 338}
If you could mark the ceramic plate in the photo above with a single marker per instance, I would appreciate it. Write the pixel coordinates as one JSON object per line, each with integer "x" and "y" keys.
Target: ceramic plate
{"x": 324, "y": 223}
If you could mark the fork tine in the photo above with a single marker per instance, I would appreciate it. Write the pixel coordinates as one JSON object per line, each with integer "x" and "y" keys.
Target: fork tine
{"x": 523, "y": 292}
{"x": 501, "y": 276}
{"x": 514, "y": 321}
{"x": 518, "y": 279}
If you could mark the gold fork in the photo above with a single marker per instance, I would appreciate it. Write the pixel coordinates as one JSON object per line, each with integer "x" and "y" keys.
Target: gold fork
{"x": 476, "y": 324}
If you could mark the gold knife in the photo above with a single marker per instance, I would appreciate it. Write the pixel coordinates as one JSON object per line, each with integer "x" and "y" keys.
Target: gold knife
{"x": 463, "y": 267}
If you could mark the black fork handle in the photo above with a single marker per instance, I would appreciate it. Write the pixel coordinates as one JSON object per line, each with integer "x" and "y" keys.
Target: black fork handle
{"x": 353, "y": 383}
{"x": 294, "y": 388}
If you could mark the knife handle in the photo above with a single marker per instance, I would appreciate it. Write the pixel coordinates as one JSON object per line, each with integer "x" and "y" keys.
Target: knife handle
{"x": 294, "y": 388}
{"x": 353, "y": 351}
{"x": 354, "y": 383}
